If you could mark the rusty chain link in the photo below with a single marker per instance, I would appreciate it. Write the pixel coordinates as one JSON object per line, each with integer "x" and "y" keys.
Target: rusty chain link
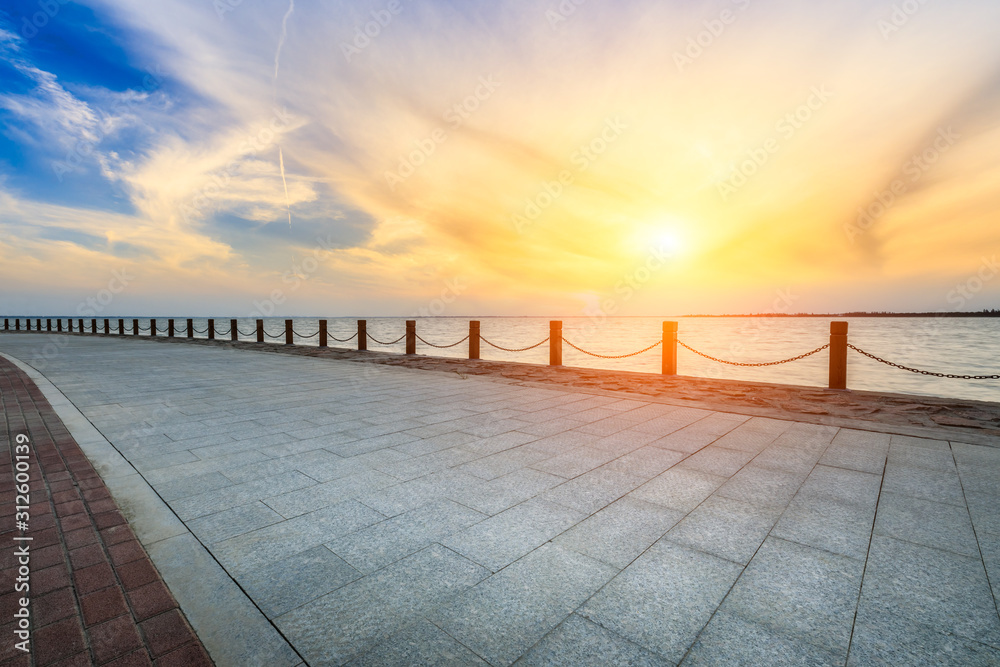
{"x": 378, "y": 342}
{"x": 613, "y": 356}
{"x": 740, "y": 363}
{"x": 507, "y": 349}
{"x": 441, "y": 347}
{"x": 917, "y": 370}
{"x": 345, "y": 340}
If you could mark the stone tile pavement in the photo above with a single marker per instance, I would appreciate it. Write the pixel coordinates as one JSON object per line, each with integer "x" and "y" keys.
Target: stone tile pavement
{"x": 388, "y": 516}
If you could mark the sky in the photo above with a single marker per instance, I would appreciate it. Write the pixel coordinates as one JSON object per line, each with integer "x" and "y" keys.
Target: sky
{"x": 465, "y": 157}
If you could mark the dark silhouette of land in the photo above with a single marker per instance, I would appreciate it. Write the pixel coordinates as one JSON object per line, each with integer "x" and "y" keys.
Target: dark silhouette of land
{"x": 881, "y": 313}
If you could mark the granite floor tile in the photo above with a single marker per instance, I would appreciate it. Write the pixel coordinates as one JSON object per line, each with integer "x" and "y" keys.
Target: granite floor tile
{"x": 277, "y": 541}
{"x": 393, "y": 539}
{"x": 679, "y": 489}
{"x": 577, "y": 642}
{"x": 505, "y": 615}
{"x": 800, "y": 592}
{"x": 356, "y": 618}
{"x": 421, "y": 643}
{"x": 506, "y": 537}
{"x": 729, "y": 639}
{"x": 717, "y": 461}
{"x": 287, "y": 584}
{"x": 620, "y": 532}
{"x": 931, "y": 587}
{"x": 931, "y": 524}
{"x": 725, "y": 528}
{"x": 663, "y": 600}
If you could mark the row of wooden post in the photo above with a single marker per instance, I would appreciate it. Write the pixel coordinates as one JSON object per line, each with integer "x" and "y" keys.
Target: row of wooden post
{"x": 838, "y": 339}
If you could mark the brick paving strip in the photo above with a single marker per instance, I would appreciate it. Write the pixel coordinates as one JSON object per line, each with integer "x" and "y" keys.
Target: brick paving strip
{"x": 95, "y": 597}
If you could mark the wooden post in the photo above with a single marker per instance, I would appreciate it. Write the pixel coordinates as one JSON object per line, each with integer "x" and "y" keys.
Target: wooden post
{"x": 48, "y": 324}
{"x": 107, "y": 326}
{"x": 58, "y": 325}
{"x": 211, "y": 329}
{"x": 411, "y": 336}
{"x": 6, "y": 324}
{"x": 362, "y": 335}
{"x": 135, "y": 327}
{"x": 838, "y": 355}
{"x": 260, "y": 331}
{"x": 121, "y": 327}
{"x": 288, "y": 333}
{"x": 474, "y": 339}
{"x": 27, "y": 324}
{"x": 669, "y": 348}
{"x": 69, "y": 324}
{"x": 81, "y": 325}
{"x": 322, "y": 333}
{"x": 93, "y": 326}
{"x": 39, "y": 323}
{"x": 555, "y": 343}
{"x": 170, "y": 328}
{"x": 190, "y": 324}
{"x": 235, "y": 331}
{"x": 152, "y": 327}
{"x": 17, "y": 324}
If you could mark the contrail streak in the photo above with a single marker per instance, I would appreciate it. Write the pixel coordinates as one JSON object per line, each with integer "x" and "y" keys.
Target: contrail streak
{"x": 281, "y": 38}
{"x": 277, "y": 62}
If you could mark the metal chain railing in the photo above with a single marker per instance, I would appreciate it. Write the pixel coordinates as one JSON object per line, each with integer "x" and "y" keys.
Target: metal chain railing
{"x": 345, "y": 340}
{"x": 252, "y": 333}
{"x": 278, "y": 337}
{"x": 740, "y": 363}
{"x": 922, "y": 372}
{"x": 224, "y": 333}
{"x": 303, "y": 336}
{"x": 441, "y": 347}
{"x": 199, "y": 331}
{"x": 614, "y": 356}
{"x": 378, "y": 342}
{"x": 507, "y": 349}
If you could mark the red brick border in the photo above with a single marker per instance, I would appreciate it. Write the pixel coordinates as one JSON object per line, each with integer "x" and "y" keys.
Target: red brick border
{"x": 95, "y": 597}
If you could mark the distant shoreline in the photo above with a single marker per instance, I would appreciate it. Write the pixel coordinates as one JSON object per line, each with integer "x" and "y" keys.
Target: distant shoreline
{"x": 990, "y": 313}
{"x": 87, "y": 318}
